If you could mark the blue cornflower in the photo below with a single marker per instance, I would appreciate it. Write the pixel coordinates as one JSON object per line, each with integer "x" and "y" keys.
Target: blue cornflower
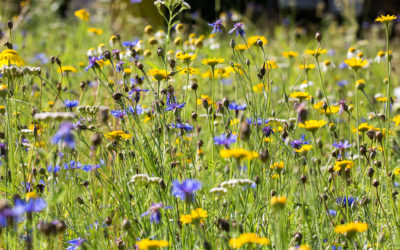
{"x": 64, "y": 134}
{"x": 341, "y": 145}
{"x": 238, "y": 27}
{"x": 120, "y": 66}
{"x": 136, "y": 91}
{"x": 296, "y": 144}
{"x": 343, "y": 65}
{"x": 186, "y": 189}
{"x": 75, "y": 243}
{"x": 234, "y": 106}
{"x": 136, "y": 1}
{"x": 344, "y": 201}
{"x": 130, "y": 43}
{"x": 173, "y": 106}
{"x": 342, "y": 83}
{"x": 257, "y": 121}
{"x": 267, "y": 131}
{"x": 217, "y": 26}
{"x": 131, "y": 110}
{"x": 118, "y": 113}
{"x": 32, "y": 206}
{"x": 187, "y": 127}
{"x": 41, "y": 57}
{"x": 225, "y": 140}
{"x": 332, "y": 212}
{"x": 71, "y": 103}
{"x": 72, "y": 165}
{"x": 154, "y": 211}
{"x": 92, "y": 62}
{"x": 54, "y": 169}
{"x": 88, "y": 168}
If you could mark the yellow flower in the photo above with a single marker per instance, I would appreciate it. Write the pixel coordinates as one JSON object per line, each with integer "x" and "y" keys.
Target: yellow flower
{"x": 202, "y": 98}
{"x": 241, "y": 47}
{"x": 312, "y": 125}
{"x": 151, "y": 244}
{"x": 10, "y": 57}
{"x": 315, "y": 52}
{"x": 363, "y": 127}
{"x": 238, "y": 153}
{"x": 304, "y": 149}
{"x": 385, "y": 19}
{"x": 290, "y": 54}
{"x": 345, "y": 164}
{"x": 82, "y": 14}
{"x": 396, "y": 119}
{"x": 184, "y": 71}
{"x": 114, "y": 135}
{"x": 212, "y": 61}
{"x": 330, "y": 110}
{"x": 195, "y": 216}
{"x": 158, "y": 74}
{"x": 31, "y": 195}
{"x": 271, "y": 64}
{"x": 278, "y": 202}
{"x": 247, "y": 238}
{"x": 351, "y": 228}
{"x": 39, "y": 127}
{"x": 355, "y": 63}
{"x": 66, "y": 69}
{"x": 301, "y": 247}
{"x": 234, "y": 121}
{"x": 253, "y": 40}
{"x": 185, "y": 57}
{"x": 396, "y": 171}
{"x": 300, "y": 95}
{"x": 95, "y": 31}
{"x": 278, "y": 165}
{"x": 307, "y": 67}
{"x": 259, "y": 88}
{"x": 381, "y": 99}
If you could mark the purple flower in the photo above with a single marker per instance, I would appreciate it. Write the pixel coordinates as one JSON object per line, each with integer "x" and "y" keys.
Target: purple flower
{"x": 75, "y": 243}
{"x": 71, "y": 104}
{"x": 297, "y": 144}
{"x": 64, "y": 134}
{"x": 136, "y": 1}
{"x": 154, "y": 211}
{"x": 225, "y": 140}
{"x": 238, "y": 27}
{"x": 217, "y": 26}
{"x": 234, "y": 106}
{"x": 267, "y": 131}
{"x": 185, "y": 126}
{"x": 129, "y": 43}
{"x": 341, "y": 145}
{"x": 118, "y": 113}
{"x": 186, "y": 189}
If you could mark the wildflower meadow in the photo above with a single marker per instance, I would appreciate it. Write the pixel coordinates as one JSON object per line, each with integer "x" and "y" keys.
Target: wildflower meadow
{"x": 207, "y": 135}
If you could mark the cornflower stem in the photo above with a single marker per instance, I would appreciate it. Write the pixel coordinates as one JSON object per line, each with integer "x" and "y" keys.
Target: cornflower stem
{"x": 357, "y": 119}
{"x": 186, "y": 90}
